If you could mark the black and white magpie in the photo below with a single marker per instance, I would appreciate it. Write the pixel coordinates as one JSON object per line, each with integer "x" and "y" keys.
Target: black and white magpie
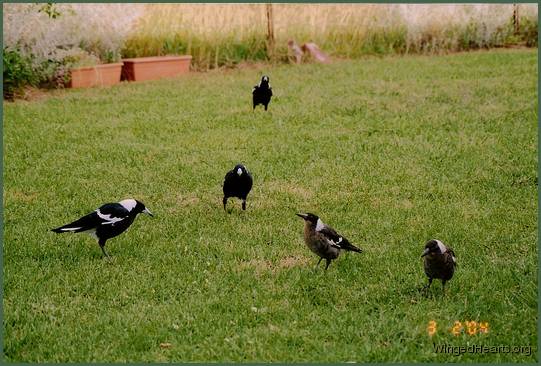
{"x": 323, "y": 240}
{"x": 106, "y": 222}
{"x": 439, "y": 262}
{"x": 262, "y": 92}
{"x": 237, "y": 183}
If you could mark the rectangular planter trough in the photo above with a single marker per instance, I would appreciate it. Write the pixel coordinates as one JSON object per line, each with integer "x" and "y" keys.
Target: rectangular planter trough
{"x": 151, "y": 68}
{"x": 99, "y": 75}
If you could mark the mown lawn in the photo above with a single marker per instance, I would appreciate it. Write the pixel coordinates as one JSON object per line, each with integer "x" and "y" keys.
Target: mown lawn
{"x": 390, "y": 151}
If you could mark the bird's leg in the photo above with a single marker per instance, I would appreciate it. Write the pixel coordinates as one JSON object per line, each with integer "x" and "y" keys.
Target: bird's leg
{"x": 443, "y": 286}
{"x": 266, "y": 106}
{"x": 225, "y": 203}
{"x": 101, "y": 242}
{"x": 320, "y": 259}
{"x": 328, "y": 263}
{"x": 244, "y": 204}
{"x": 102, "y": 246}
{"x": 427, "y": 286}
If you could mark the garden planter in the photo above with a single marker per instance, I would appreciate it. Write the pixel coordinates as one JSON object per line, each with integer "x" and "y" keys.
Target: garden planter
{"x": 151, "y": 68}
{"x": 99, "y": 75}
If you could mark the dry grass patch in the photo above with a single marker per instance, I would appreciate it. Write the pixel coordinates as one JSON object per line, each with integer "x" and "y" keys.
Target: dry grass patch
{"x": 261, "y": 265}
{"x": 20, "y": 196}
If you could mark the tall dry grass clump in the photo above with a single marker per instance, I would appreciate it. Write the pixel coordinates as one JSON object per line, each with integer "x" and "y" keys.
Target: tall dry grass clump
{"x": 214, "y": 34}
{"x": 226, "y": 34}
{"x": 341, "y": 30}
{"x": 457, "y": 27}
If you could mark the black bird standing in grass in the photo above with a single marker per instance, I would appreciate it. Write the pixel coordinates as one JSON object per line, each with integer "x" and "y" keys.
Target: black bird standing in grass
{"x": 323, "y": 240}
{"x": 237, "y": 183}
{"x": 439, "y": 262}
{"x": 262, "y": 93}
{"x": 106, "y": 222}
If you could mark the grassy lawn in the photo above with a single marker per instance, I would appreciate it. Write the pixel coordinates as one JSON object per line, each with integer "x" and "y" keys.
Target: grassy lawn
{"x": 389, "y": 151}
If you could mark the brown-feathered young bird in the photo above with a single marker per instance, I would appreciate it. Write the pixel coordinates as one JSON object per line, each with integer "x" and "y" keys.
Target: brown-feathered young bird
{"x": 262, "y": 93}
{"x": 323, "y": 240}
{"x": 439, "y": 262}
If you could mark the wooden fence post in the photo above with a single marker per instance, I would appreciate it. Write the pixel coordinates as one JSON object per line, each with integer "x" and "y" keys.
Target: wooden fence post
{"x": 516, "y": 18}
{"x": 270, "y": 32}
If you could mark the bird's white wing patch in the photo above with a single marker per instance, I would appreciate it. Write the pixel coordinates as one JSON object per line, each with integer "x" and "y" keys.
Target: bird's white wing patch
{"x": 336, "y": 244}
{"x": 441, "y": 246}
{"x": 128, "y": 204}
{"x": 108, "y": 218}
{"x": 71, "y": 229}
{"x": 320, "y": 225}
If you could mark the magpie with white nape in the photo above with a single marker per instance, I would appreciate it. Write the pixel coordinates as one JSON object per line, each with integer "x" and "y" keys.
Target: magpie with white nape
{"x": 237, "y": 183}
{"x": 323, "y": 240}
{"x": 106, "y": 222}
{"x": 262, "y": 93}
{"x": 439, "y": 262}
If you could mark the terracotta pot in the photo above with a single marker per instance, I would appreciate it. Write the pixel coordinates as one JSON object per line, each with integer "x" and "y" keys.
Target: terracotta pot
{"x": 99, "y": 75}
{"x": 151, "y": 68}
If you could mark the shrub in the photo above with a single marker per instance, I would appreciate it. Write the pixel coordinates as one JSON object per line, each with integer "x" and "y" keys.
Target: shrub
{"x": 45, "y": 40}
{"x": 528, "y": 31}
{"x": 18, "y": 72}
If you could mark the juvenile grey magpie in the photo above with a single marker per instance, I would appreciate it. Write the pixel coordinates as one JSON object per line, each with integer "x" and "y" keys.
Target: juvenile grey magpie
{"x": 262, "y": 92}
{"x": 323, "y": 240}
{"x": 439, "y": 262}
{"x": 106, "y": 222}
{"x": 237, "y": 183}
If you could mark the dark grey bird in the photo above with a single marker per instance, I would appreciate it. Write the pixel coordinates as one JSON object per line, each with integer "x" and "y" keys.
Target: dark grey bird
{"x": 106, "y": 222}
{"x": 323, "y": 240}
{"x": 262, "y": 93}
{"x": 439, "y": 262}
{"x": 237, "y": 183}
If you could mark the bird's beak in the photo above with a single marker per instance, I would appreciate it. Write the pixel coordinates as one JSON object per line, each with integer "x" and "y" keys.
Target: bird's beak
{"x": 146, "y": 210}
{"x": 425, "y": 252}
{"x": 302, "y": 215}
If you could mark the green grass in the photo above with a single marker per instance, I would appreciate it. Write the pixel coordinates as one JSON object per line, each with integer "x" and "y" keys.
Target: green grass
{"x": 390, "y": 151}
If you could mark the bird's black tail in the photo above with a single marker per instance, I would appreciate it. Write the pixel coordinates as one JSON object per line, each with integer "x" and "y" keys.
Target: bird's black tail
{"x": 83, "y": 224}
{"x": 352, "y": 248}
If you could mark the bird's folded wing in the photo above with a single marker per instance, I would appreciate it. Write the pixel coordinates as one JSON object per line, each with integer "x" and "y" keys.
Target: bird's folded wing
{"x": 111, "y": 213}
{"x": 229, "y": 180}
{"x": 249, "y": 180}
{"x": 332, "y": 237}
{"x": 450, "y": 251}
